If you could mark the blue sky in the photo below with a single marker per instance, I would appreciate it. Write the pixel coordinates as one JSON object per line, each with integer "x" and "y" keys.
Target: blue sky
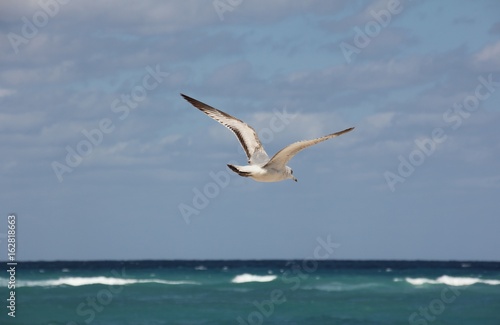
{"x": 417, "y": 179}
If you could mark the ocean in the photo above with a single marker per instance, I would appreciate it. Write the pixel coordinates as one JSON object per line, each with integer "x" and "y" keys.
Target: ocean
{"x": 298, "y": 292}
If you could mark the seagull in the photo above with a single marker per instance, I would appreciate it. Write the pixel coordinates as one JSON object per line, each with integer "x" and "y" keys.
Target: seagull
{"x": 260, "y": 167}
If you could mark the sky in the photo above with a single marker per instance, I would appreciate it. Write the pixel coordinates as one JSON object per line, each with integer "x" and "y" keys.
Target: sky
{"x": 101, "y": 158}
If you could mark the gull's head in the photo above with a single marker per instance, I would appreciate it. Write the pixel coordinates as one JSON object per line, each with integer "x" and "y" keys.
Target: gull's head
{"x": 289, "y": 173}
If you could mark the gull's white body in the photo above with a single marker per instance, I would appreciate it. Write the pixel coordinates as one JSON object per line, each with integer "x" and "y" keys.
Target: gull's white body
{"x": 261, "y": 168}
{"x": 262, "y": 174}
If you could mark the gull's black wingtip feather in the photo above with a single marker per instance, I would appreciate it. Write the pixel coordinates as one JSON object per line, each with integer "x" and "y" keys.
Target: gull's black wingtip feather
{"x": 194, "y": 102}
{"x": 344, "y": 131}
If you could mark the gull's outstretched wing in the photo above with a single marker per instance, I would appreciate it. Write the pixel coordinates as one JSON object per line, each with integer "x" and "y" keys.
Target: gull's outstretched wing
{"x": 244, "y": 132}
{"x": 281, "y": 158}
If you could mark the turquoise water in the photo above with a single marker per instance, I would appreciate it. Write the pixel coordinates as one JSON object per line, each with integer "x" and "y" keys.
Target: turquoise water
{"x": 255, "y": 292}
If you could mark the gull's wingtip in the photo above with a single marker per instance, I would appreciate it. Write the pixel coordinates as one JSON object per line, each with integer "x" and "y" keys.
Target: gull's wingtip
{"x": 191, "y": 100}
{"x": 346, "y": 130}
{"x": 343, "y": 131}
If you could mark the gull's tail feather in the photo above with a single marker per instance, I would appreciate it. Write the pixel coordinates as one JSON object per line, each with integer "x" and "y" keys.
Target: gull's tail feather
{"x": 237, "y": 171}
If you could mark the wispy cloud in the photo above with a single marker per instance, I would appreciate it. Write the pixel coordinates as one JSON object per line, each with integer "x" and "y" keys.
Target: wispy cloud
{"x": 263, "y": 56}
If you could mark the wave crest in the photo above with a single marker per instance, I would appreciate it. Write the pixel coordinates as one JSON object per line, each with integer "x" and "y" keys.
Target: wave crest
{"x": 451, "y": 281}
{"x": 83, "y": 281}
{"x": 246, "y": 277}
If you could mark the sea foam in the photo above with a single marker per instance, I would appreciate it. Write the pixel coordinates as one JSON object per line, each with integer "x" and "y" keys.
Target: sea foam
{"x": 451, "y": 281}
{"x": 83, "y": 281}
{"x": 246, "y": 277}
{"x": 338, "y": 286}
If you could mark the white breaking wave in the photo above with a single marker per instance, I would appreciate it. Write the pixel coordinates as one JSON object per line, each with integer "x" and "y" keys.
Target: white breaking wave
{"x": 450, "y": 280}
{"x": 246, "y": 277}
{"x": 82, "y": 281}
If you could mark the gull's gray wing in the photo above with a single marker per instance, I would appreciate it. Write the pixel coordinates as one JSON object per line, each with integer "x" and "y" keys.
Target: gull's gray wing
{"x": 244, "y": 132}
{"x": 281, "y": 158}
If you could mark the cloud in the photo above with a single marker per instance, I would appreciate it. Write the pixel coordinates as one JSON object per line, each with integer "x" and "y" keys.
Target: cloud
{"x": 260, "y": 11}
{"x": 264, "y": 57}
{"x": 226, "y": 76}
{"x": 489, "y": 182}
{"x": 366, "y": 76}
{"x": 495, "y": 28}
{"x": 56, "y": 73}
{"x": 6, "y": 92}
{"x": 21, "y": 122}
{"x": 489, "y": 57}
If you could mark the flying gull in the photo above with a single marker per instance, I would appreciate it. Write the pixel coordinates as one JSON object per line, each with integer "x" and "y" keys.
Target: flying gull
{"x": 259, "y": 167}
